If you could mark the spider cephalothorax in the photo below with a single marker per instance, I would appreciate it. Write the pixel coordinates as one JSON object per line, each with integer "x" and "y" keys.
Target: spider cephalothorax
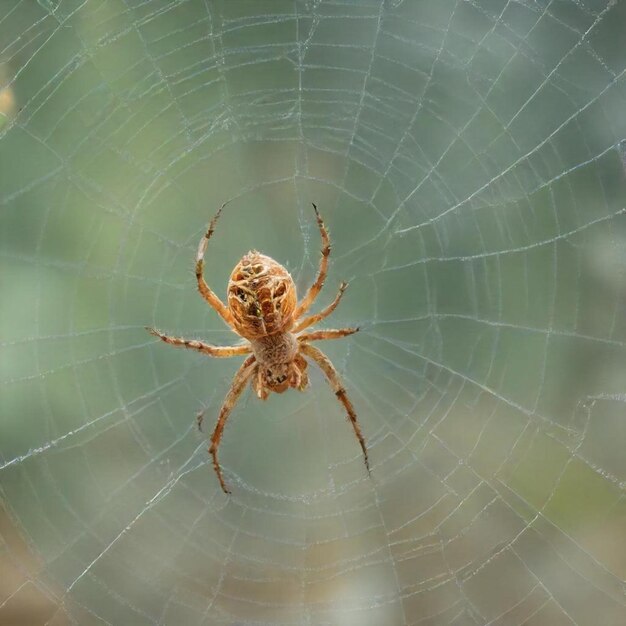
{"x": 280, "y": 366}
{"x": 263, "y": 308}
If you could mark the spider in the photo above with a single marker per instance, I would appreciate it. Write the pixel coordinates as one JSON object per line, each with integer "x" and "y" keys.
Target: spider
{"x": 264, "y": 310}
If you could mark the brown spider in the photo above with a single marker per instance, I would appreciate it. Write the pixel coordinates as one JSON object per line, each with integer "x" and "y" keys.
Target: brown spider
{"x": 263, "y": 308}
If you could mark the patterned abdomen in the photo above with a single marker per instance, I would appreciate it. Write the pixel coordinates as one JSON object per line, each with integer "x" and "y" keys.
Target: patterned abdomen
{"x": 261, "y": 296}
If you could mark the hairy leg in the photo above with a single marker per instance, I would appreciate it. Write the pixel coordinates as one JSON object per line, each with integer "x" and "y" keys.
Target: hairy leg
{"x": 200, "y": 346}
{"x": 316, "y": 335}
{"x": 318, "y": 317}
{"x": 240, "y": 380}
{"x": 333, "y": 378}
{"x": 203, "y": 287}
{"x": 316, "y": 287}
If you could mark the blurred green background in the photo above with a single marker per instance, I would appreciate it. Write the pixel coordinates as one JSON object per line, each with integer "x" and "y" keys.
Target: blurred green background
{"x": 469, "y": 160}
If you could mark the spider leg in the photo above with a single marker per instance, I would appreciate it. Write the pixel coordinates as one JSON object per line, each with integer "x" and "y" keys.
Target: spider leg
{"x": 314, "y": 319}
{"x": 333, "y": 378}
{"x": 204, "y": 289}
{"x": 316, "y": 287}
{"x": 316, "y": 335}
{"x": 200, "y": 346}
{"x": 240, "y": 380}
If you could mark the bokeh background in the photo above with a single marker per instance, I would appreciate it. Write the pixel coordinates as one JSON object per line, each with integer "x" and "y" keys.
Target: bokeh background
{"x": 469, "y": 160}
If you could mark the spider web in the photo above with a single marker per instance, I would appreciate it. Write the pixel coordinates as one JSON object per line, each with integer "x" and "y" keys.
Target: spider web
{"x": 468, "y": 158}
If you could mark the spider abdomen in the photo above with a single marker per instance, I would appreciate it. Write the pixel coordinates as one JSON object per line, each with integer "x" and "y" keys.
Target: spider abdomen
{"x": 261, "y": 296}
